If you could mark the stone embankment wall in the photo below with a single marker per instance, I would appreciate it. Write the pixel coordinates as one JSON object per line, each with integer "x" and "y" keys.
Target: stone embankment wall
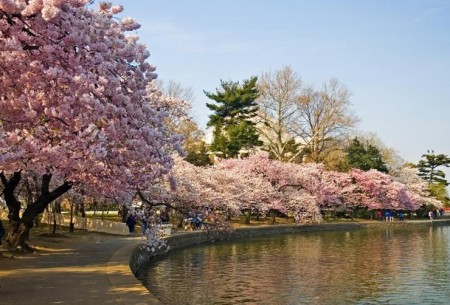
{"x": 140, "y": 257}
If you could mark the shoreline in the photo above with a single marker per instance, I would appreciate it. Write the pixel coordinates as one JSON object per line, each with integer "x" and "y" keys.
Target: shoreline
{"x": 93, "y": 268}
{"x": 139, "y": 258}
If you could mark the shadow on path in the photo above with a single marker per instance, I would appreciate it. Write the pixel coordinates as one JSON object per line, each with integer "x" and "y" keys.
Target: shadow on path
{"x": 88, "y": 269}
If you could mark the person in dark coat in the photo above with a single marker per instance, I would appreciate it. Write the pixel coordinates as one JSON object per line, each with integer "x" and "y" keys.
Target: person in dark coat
{"x": 2, "y": 231}
{"x": 131, "y": 223}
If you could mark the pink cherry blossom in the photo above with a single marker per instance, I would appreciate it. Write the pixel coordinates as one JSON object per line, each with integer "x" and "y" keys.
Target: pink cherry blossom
{"x": 74, "y": 99}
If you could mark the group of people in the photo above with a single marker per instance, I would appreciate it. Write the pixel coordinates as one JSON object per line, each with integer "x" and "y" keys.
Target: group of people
{"x": 197, "y": 220}
{"x": 131, "y": 222}
{"x": 434, "y": 214}
{"x": 194, "y": 222}
{"x": 389, "y": 215}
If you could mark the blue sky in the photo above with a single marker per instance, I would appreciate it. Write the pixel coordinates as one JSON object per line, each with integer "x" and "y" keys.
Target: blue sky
{"x": 394, "y": 55}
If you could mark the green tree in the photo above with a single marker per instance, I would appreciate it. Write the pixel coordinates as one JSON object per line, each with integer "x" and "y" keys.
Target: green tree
{"x": 428, "y": 168}
{"x": 439, "y": 191}
{"x": 198, "y": 155}
{"x": 437, "y": 182}
{"x": 232, "y": 118}
{"x": 365, "y": 157}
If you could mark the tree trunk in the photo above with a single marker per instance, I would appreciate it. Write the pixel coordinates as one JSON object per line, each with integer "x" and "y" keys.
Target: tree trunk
{"x": 71, "y": 225}
{"x": 273, "y": 216}
{"x": 36, "y": 222}
{"x": 247, "y": 217}
{"x": 54, "y": 220}
{"x": 17, "y": 235}
{"x": 124, "y": 213}
{"x": 19, "y": 227}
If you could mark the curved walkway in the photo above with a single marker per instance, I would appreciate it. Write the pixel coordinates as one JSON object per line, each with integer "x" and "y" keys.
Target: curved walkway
{"x": 89, "y": 269}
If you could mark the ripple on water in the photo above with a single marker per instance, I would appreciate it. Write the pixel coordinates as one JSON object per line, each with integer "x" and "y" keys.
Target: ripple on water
{"x": 376, "y": 266}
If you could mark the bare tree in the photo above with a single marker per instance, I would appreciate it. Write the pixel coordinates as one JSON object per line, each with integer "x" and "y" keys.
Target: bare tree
{"x": 175, "y": 90}
{"x": 177, "y": 102}
{"x": 322, "y": 118}
{"x": 178, "y": 105}
{"x": 297, "y": 121}
{"x": 280, "y": 92}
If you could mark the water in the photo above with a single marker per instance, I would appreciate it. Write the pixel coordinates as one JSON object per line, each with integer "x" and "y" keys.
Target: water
{"x": 375, "y": 266}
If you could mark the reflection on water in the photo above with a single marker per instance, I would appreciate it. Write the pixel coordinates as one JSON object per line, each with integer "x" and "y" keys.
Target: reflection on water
{"x": 376, "y": 266}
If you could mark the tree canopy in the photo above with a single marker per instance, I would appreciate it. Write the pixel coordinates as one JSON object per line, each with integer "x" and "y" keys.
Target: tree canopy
{"x": 437, "y": 182}
{"x": 232, "y": 118}
{"x": 260, "y": 184}
{"x": 78, "y": 105}
{"x": 365, "y": 157}
{"x": 428, "y": 168}
{"x": 80, "y": 109}
{"x": 301, "y": 123}
{"x": 278, "y": 113}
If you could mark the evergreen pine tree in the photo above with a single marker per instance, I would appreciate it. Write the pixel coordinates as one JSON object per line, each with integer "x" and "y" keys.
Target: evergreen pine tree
{"x": 233, "y": 111}
{"x": 427, "y": 168}
{"x": 365, "y": 157}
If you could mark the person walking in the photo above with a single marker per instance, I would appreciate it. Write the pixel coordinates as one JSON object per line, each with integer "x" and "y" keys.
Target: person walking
{"x": 131, "y": 223}
{"x": 379, "y": 215}
{"x": 83, "y": 219}
{"x": 2, "y": 231}
{"x": 144, "y": 226}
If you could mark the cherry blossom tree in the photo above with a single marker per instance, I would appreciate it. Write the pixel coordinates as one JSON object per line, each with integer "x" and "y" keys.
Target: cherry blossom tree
{"x": 75, "y": 105}
{"x": 307, "y": 189}
{"x": 257, "y": 184}
{"x": 286, "y": 191}
{"x": 416, "y": 186}
{"x": 223, "y": 187}
{"x": 376, "y": 190}
{"x": 254, "y": 192}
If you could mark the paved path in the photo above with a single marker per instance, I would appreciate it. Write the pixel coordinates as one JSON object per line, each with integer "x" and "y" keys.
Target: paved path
{"x": 88, "y": 269}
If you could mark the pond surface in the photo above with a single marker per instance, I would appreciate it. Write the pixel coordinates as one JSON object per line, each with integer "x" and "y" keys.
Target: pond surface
{"x": 372, "y": 266}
